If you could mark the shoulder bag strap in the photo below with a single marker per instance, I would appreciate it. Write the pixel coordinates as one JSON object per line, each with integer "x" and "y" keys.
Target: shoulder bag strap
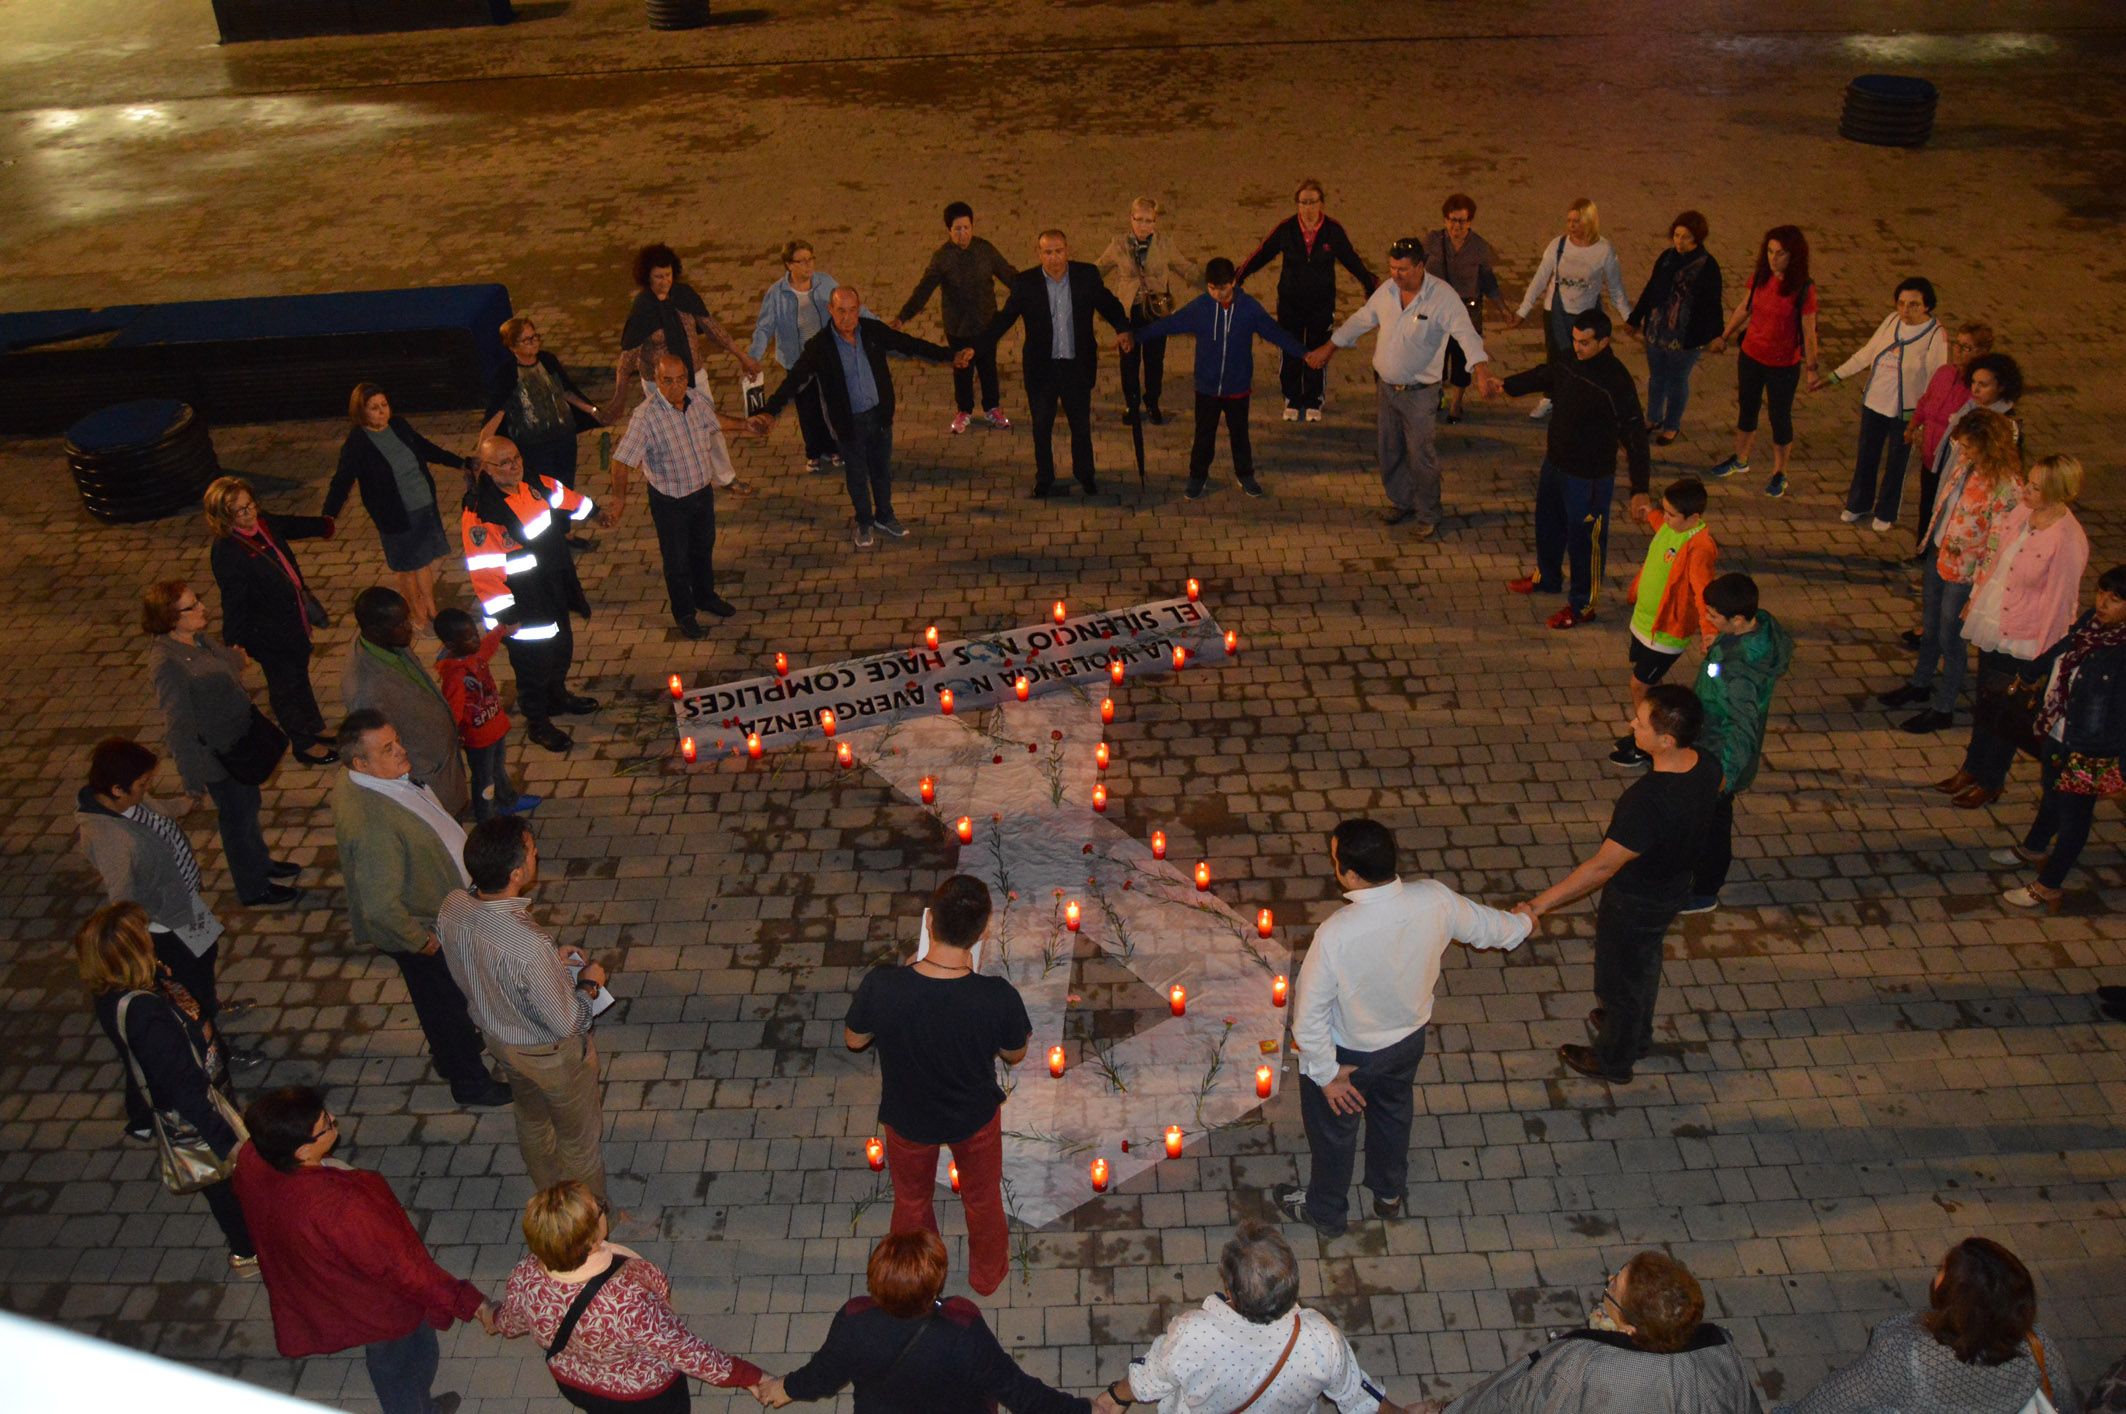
{"x": 581, "y": 1304}
{"x": 1557, "y": 271}
{"x": 125, "y": 1043}
{"x": 1276, "y": 1369}
{"x": 920, "y": 1331}
{"x": 2037, "y": 1352}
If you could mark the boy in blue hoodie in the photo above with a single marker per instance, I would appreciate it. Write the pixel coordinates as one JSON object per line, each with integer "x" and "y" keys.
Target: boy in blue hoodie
{"x": 1735, "y": 684}
{"x": 1226, "y": 324}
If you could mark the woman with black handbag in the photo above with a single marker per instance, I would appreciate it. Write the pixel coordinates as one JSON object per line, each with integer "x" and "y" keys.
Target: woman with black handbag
{"x": 175, "y": 1058}
{"x": 224, "y": 746}
{"x": 604, "y": 1314}
{"x": 267, "y": 608}
{"x": 2022, "y": 601}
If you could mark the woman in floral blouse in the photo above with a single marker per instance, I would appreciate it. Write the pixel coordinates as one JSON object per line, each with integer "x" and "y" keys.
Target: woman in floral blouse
{"x": 1984, "y": 482}
{"x": 627, "y": 1352}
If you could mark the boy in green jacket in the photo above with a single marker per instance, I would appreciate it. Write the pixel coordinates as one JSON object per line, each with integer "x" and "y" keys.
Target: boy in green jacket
{"x": 1735, "y": 685}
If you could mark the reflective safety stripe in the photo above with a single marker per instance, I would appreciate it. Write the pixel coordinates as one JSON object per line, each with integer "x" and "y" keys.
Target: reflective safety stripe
{"x": 497, "y": 604}
{"x": 490, "y": 624}
{"x": 535, "y": 632}
{"x": 485, "y": 562}
{"x": 536, "y": 526}
{"x": 518, "y": 564}
{"x": 555, "y": 499}
{"x": 582, "y": 510}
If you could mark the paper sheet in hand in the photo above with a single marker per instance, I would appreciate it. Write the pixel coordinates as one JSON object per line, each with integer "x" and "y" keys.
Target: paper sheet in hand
{"x": 601, "y": 1001}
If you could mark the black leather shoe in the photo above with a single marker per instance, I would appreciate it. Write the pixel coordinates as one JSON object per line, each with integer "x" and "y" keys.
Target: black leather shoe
{"x": 1586, "y": 1062}
{"x": 575, "y": 705}
{"x": 1043, "y": 490}
{"x": 274, "y": 897}
{"x": 721, "y": 607}
{"x": 691, "y": 629}
{"x": 1921, "y": 723}
{"x": 1396, "y": 515}
{"x": 1129, "y": 417}
{"x": 1388, "y": 1207}
{"x": 1151, "y": 410}
{"x": 1090, "y": 488}
{"x": 486, "y": 1096}
{"x": 315, "y": 755}
{"x": 1594, "y": 1030}
{"x": 1911, "y": 638}
{"x": 282, "y": 869}
{"x": 244, "y": 1057}
{"x": 548, "y": 735}
{"x": 1903, "y": 696}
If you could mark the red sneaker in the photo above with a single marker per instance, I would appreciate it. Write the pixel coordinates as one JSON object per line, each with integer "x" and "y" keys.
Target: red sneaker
{"x": 1526, "y": 584}
{"x": 1569, "y": 617}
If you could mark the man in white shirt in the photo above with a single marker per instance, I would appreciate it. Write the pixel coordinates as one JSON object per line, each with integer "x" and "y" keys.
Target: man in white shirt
{"x": 1416, "y": 316}
{"x": 1365, "y": 998}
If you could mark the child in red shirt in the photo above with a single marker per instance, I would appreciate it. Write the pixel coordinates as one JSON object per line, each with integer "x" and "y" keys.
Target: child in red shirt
{"x": 476, "y": 706}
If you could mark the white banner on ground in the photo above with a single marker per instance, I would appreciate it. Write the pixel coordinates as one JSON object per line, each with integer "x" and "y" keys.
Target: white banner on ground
{"x": 980, "y": 672}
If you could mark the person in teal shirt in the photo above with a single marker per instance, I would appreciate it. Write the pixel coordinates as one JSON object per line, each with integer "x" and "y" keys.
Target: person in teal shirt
{"x": 1735, "y": 683}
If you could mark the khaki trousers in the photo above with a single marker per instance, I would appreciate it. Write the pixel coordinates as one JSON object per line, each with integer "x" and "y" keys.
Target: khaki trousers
{"x": 560, "y": 1124}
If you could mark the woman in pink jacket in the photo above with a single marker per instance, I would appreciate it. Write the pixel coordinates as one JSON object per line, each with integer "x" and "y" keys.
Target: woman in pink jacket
{"x": 2022, "y": 600}
{"x": 1947, "y": 391}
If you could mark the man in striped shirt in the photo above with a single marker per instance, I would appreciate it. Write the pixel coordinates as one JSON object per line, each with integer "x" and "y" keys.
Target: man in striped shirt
{"x": 536, "y": 1019}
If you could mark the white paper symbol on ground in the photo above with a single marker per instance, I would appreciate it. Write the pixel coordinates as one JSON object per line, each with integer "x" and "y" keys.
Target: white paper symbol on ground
{"x": 1144, "y": 928}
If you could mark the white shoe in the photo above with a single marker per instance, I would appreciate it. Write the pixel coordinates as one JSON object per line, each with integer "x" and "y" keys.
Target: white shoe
{"x": 1291, "y": 414}
{"x": 1313, "y": 414}
{"x": 1879, "y": 525}
{"x": 1852, "y": 517}
{"x": 1542, "y": 410}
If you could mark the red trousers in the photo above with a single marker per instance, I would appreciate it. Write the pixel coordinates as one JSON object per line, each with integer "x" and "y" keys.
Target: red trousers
{"x": 981, "y": 1159}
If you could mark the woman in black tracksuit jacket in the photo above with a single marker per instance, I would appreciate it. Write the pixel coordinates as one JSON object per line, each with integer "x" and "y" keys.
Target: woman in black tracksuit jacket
{"x": 1311, "y": 245}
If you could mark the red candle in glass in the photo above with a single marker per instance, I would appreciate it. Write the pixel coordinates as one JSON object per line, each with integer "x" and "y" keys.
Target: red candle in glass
{"x": 930, "y": 636}
{"x": 1173, "y": 1141}
{"x": 1100, "y": 756}
{"x": 1262, "y": 923}
{"x": 1203, "y": 877}
{"x": 930, "y": 790}
{"x": 826, "y": 721}
{"x": 1022, "y": 687}
{"x": 1071, "y": 915}
{"x": 945, "y": 700}
{"x": 673, "y": 683}
{"x": 1107, "y": 710}
{"x": 844, "y": 755}
{"x": 1177, "y": 999}
{"x": 1158, "y": 844}
{"x": 782, "y": 665}
{"x": 1059, "y": 612}
{"x": 1099, "y": 1173}
{"x": 1055, "y": 1061}
{"x": 1263, "y": 1076}
{"x": 875, "y": 1153}
{"x": 1280, "y": 990}
{"x": 966, "y": 829}
{"x": 753, "y": 745}
{"x": 1180, "y": 657}
{"x": 1232, "y": 643}
{"x": 1115, "y": 670}
{"x": 952, "y": 1176}
{"x": 686, "y": 748}
{"x": 1193, "y": 590}
{"x": 1099, "y": 800}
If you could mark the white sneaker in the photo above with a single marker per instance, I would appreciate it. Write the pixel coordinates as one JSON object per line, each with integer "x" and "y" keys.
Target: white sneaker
{"x": 1542, "y": 410}
{"x": 1852, "y": 517}
{"x": 1313, "y": 414}
{"x": 1291, "y": 414}
{"x": 1879, "y": 525}
{"x": 863, "y": 537}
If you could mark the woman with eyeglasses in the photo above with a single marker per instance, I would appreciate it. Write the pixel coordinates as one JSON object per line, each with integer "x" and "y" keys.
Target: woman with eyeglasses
{"x": 1947, "y": 391}
{"x": 206, "y": 711}
{"x": 1457, "y": 254}
{"x": 535, "y": 404}
{"x": 604, "y": 1314}
{"x": 1308, "y": 246}
{"x": 267, "y": 607}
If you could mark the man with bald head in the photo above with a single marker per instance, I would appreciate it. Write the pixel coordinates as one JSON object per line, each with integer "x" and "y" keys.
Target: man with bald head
{"x": 516, "y": 550}
{"x": 847, "y": 359}
{"x": 674, "y": 441}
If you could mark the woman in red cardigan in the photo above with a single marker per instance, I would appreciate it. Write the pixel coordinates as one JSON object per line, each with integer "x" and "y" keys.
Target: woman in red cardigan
{"x": 604, "y": 1315}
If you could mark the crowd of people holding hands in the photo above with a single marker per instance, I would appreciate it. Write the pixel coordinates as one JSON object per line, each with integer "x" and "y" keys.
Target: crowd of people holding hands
{"x": 508, "y": 1011}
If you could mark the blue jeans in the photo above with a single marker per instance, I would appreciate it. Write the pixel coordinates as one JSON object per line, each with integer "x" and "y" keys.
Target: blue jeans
{"x": 1941, "y": 640}
{"x": 1572, "y": 517}
{"x": 1667, "y": 385}
{"x": 403, "y": 1371}
{"x": 2063, "y": 821}
{"x": 492, "y": 792}
{"x": 1385, "y": 1078}
{"x": 1877, "y": 435}
{"x": 867, "y": 464}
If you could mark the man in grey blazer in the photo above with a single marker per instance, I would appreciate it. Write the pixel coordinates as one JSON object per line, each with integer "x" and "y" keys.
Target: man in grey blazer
{"x": 384, "y": 675}
{"x": 402, "y": 854}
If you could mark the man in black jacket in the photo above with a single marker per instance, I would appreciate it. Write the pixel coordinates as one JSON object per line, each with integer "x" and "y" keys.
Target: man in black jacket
{"x": 1595, "y": 409}
{"x": 1057, "y": 299}
{"x": 848, "y": 358}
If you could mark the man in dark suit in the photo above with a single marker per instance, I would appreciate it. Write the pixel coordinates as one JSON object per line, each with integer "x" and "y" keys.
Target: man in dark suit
{"x": 848, "y": 360}
{"x": 1057, "y": 299}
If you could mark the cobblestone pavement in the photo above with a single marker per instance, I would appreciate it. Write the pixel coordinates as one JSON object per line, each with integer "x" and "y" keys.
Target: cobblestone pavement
{"x": 1862, "y": 1056}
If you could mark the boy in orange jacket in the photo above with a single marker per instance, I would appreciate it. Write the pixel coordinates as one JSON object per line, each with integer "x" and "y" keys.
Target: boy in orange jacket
{"x": 476, "y": 705}
{"x": 1668, "y": 598}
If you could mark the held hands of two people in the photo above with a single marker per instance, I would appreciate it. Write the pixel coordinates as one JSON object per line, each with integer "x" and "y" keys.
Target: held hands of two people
{"x": 770, "y": 1392}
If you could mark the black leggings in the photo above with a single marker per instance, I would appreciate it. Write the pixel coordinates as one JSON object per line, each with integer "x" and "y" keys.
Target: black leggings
{"x": 672, "y": 1399}
{"x": 1755, "y": 383}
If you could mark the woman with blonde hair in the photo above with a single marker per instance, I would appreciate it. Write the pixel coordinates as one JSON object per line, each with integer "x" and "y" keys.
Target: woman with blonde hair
{"x": 171, "y": 1049}
{"x": 1983, "y": 484}
{"x": 389, "y": 461}
{"x": 2021, "y": 604}
{"x": 1575, "y": 271}
{"x": 267, "y": 608}
{"x": 604, "y": 1314}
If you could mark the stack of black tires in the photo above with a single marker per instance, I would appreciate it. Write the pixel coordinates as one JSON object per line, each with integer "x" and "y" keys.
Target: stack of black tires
{"x": 678, "y": 14}
{"x": 1888, "y": 110}
{"x": 141, "y": 461}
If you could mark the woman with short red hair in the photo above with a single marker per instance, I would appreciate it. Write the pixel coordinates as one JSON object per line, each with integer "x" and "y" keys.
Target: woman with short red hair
{"x": 908, "y": 1352}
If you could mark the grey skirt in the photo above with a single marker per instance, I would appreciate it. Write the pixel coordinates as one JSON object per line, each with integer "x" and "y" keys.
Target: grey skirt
{"x": 419, "y": 545}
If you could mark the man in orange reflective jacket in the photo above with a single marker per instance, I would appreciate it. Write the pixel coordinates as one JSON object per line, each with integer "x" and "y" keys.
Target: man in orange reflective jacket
{"x": 516, "y": 550}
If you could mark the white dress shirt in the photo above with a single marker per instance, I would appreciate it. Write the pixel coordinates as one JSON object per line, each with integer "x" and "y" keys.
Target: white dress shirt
{"x": 1209, "y": 1361}
{"x": 414, "y": 796}
{"x": 1412, "y": 347}
{"x": 1370, "y": 974}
